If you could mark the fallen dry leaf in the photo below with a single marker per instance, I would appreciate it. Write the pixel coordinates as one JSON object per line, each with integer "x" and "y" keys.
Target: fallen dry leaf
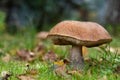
{"x": 39, "y": 47}
{"x": 24, "y": 77}
{"x": 40, "y": 50}
{"x": 60, "y": 69}
{"x": 74, "y": 72}
{"x": 59, "y": 63}
{"x": 50, "y": 56}
{"x": 32, "y": 72}
{"x": 26, "y": 55}
{"x": 66, "y": 61}
{"x": 84, "y": 50}
{"x": 6, "y": 58}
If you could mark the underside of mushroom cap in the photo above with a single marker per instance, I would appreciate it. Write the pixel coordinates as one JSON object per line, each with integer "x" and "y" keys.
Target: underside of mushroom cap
{"x": 66, "y": 40}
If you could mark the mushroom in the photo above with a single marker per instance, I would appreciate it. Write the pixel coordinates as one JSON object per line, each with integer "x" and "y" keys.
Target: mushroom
{"x": 42, "y": 35}
{"x": 78, "y": 34}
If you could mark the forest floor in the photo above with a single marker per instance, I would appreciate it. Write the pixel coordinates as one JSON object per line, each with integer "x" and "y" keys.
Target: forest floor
{"x": 25, "y": 57}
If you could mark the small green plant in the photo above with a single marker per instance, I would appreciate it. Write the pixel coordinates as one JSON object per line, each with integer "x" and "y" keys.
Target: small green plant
{"x": 108, "y": 61}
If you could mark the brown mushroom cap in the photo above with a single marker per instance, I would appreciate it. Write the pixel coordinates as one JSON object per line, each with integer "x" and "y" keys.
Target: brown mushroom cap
{"x": 89, "y": 34}
{"x": 42, "y": 35}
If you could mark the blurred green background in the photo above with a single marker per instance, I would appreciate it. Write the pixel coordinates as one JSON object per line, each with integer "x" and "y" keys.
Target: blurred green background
{"x": 44, "y": 14}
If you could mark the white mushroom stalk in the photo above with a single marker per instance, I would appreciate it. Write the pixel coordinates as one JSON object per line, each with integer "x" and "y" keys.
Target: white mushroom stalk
{"x": 77, "y": 61}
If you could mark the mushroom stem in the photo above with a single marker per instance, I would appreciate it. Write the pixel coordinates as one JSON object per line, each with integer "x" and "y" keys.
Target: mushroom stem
{"x": 77, "y": 61}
